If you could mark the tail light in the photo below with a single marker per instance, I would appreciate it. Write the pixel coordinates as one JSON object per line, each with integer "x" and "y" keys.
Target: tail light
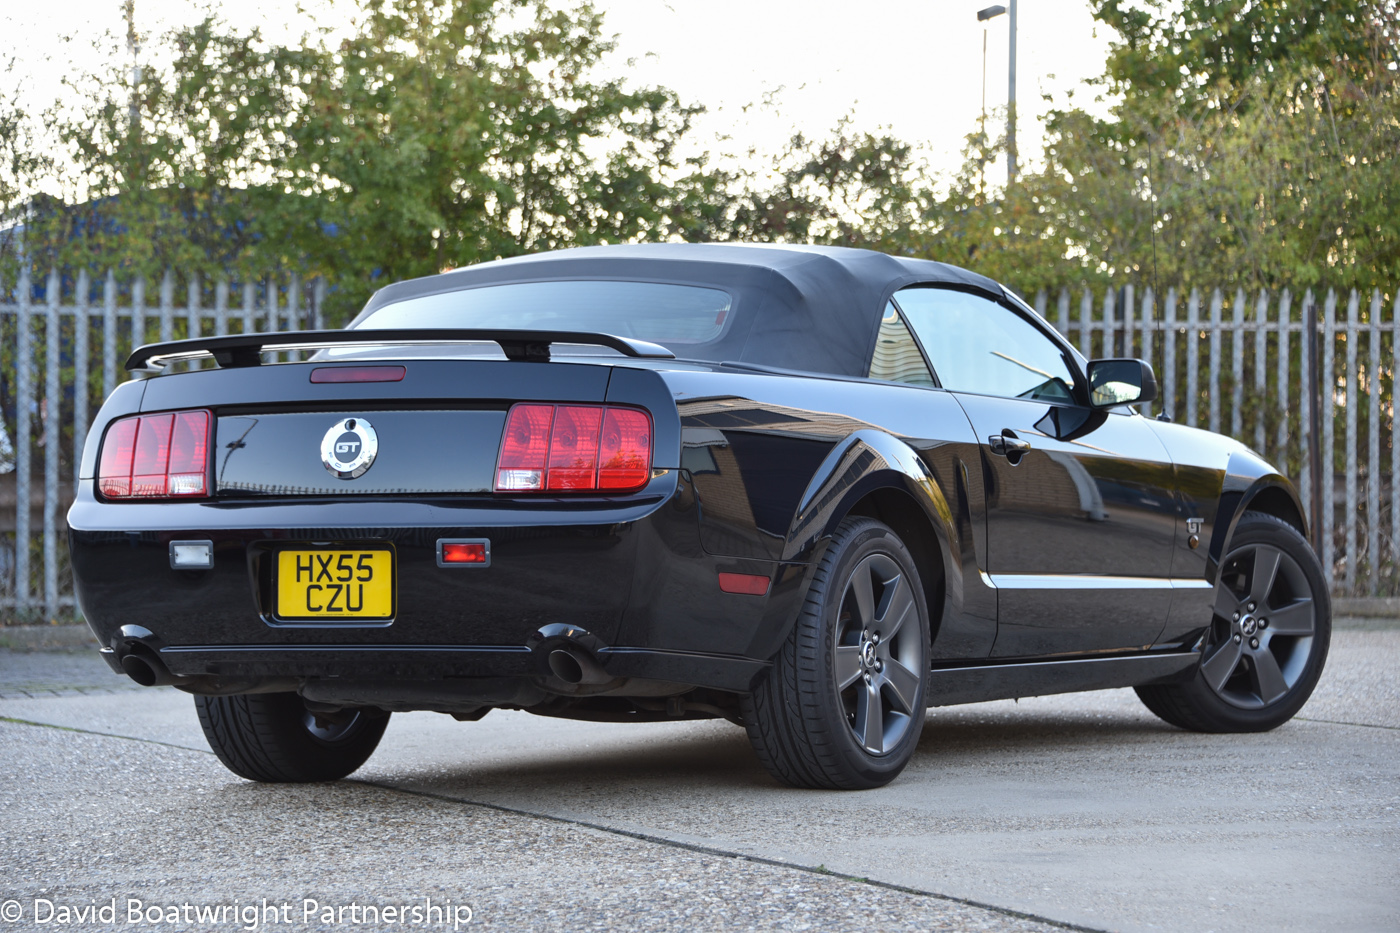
{"x": 574, "y": 448}
{"x": 163, "y": 456}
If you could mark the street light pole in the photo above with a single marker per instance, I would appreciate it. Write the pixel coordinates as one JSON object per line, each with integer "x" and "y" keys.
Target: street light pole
{"x": 982, "y": 16}
{"x": 1011, "y": 104}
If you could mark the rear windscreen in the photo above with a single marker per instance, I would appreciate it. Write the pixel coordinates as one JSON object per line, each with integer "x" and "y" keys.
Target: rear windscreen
{"x": 664, "y": 314}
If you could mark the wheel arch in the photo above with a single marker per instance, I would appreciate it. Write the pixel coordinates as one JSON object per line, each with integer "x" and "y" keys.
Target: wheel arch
{"x": 897, "y": 509}
{"x": 875, "y": 474}
{"x": 1251, "y": 484}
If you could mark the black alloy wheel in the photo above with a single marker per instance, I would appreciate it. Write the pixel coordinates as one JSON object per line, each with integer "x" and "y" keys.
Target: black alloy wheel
{"x": 1267, "y": 640}
{"x": 844, "y": 703}
{"x": 273, "y": 737}
{"x": 878, "y": 654}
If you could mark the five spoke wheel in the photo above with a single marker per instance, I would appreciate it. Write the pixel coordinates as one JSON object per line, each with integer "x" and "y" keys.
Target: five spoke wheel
{"x": 878, "y": 656}
{"x": 843, "y": 704}
{"x": 1262, "y": 632}
{"x": 1265, "y": 637}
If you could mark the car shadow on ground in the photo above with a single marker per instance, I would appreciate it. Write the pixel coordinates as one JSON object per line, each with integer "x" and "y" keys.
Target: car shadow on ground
{"x": 715, "y": 757}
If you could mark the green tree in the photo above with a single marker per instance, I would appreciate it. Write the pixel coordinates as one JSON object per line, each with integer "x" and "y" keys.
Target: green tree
{"x": 1252, "y": 143}
{"x": 440, "y": 133}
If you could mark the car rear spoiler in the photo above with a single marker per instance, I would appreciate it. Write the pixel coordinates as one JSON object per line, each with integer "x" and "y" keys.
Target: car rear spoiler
{"x": 247, "y": 349}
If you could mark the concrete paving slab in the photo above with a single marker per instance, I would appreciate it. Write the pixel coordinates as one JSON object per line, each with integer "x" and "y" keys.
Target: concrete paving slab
{"x": 1083, "y": 808}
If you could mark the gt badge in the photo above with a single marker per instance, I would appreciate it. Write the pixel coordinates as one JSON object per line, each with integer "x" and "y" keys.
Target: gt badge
{"x": 349, "y": 448}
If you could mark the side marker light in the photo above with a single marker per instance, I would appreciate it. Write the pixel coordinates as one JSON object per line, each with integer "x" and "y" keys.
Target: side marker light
{"x": 464, "y": 552}
{"x": 744, "y": 584}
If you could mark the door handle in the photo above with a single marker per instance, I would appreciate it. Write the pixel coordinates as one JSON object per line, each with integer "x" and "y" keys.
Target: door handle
{"x": 1007, "y": 444}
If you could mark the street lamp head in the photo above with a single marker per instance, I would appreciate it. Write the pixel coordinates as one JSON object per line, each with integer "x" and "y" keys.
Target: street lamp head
{"x": 989, "y": 12}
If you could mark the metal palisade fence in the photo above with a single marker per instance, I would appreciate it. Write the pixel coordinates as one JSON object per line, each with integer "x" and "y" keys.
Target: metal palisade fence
{"x": 1232, "y": 362}
{"x": 63, "y": 342}
{"x": 1242, "y": 365}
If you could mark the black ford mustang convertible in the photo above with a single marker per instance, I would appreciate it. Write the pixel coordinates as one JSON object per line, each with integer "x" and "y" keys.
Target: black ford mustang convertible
{"x": 812, "y": 491}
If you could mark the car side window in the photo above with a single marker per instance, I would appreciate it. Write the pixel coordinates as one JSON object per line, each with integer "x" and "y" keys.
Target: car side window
{"x": 979, "y": 346}
{"x": 897, "y": 357}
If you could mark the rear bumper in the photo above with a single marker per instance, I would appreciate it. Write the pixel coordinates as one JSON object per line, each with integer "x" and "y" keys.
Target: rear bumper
{"x": 427, "y": 665}
{"x": 631, "y": 573}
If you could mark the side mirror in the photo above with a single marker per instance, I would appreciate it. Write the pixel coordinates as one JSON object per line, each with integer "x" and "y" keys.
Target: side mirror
{"x": 1120, "y": 382}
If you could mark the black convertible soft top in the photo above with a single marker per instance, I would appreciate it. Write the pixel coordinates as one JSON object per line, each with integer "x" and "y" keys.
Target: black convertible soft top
{"x": 811, "y": 308}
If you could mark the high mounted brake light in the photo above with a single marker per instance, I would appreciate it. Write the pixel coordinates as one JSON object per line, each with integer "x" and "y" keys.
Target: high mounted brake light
{"x": 574, "y": 448}
{"x": 163, "y": 456}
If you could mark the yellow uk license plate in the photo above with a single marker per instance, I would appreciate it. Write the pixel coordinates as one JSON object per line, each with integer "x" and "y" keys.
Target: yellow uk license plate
{"x": 326, "y": 583}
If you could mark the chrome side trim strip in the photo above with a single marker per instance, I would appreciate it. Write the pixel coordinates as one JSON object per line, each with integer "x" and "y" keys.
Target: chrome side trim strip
{"x": 1074, "y": 581}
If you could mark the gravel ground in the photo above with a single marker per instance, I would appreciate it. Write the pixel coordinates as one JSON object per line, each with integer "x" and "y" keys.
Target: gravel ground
{"x": 88, "y": 818}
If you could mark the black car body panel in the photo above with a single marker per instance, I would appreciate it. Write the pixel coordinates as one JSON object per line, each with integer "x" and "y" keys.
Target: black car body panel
{"x": 1071, "y": 568}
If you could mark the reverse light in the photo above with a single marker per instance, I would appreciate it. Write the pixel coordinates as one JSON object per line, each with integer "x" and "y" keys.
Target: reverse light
{"x": 191, "y": 555}
{"x": 163, "y": 456}
{"x": 574, "y": 448}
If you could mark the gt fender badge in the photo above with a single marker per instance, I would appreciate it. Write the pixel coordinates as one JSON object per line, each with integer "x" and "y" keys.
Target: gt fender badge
{"x": 348, "y": 449}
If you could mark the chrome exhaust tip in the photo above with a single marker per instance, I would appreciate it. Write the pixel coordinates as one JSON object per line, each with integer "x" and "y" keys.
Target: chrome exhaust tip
{"x": 576, "y": 667}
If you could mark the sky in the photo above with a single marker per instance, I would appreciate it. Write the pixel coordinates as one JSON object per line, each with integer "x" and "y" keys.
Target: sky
{"x": 912, "y": 68}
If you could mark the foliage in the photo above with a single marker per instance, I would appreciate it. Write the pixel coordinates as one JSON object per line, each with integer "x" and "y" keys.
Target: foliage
{"x": 21, "y": 161}
{"x": 1253, "y": 143}
{"x": 1250, "y": 142}
{"x": 441, "y": 133}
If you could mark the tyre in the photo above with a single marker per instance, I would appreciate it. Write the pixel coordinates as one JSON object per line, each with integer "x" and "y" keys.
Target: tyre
{"x": 1267, "y": 640}
{"x": 272, "y": 737}
{"x": 843, "y": 704}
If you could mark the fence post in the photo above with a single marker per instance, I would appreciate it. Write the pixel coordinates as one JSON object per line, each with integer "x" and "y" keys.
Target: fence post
{"x": 1394, "y": 428}
{"x": 1086, "y": 315}
{"x": 138, "y": 312}
{"x": 1285, "y": 316}
{"x": 53, "y": 408}
{"x": 1327, "y": 401}
{"x": 270, "y": 304}
{"x": 109, "y": 334}
{"x": 1373, "y": 439}
{"x": 221, "y": 308}
{"x": 1169, "y": 352}
{"x": 319, "y": 296}
{"x": 1261, "y": 364}
{"x": 81, "y": 355}
{"x": 249, "y": 292}
{"x": 167, "y": 307}
{"x": 1110, "y": 321}
{"x": 1193, "y": 355}
{"x": 194, "y": 313}
{"x": 1350, "y": 383}
{"x": 294, "y": 302}
{"x": 1237, "y": 367}
{"x": 24, "y": 404}
{"x": 1149, "y": 303}
{"x": 1309, "y": 435}
{"x": 1129, "y": 307}
{"x": 1216, "y": 300}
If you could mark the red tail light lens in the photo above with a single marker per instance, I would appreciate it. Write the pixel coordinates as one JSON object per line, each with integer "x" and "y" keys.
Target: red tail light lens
{"x": 624, "y": 457}
{"x": 156, "y": 457}
{"x": 114, "y": 470}
{"x": 574, "y": 448}
{"x": 524, "y": 449}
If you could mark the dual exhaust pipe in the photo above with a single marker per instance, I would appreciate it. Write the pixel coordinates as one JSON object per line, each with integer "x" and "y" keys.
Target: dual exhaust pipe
{"x": 568, "y": 652}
